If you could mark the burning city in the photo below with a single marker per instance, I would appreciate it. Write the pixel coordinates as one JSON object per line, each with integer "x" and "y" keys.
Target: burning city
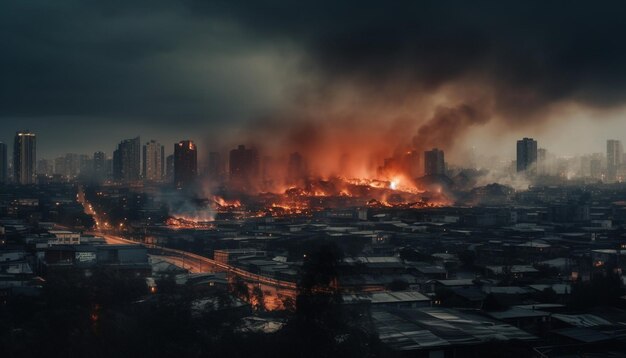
{"x": 312, "y": 179}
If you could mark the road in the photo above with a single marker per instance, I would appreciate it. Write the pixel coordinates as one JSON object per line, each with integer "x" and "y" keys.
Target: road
{"x": 197, "y": 263}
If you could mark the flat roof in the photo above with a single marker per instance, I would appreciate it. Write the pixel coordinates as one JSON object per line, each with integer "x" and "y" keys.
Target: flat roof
{"x": 433, "y": 327}
{"x": 386, "y": 297}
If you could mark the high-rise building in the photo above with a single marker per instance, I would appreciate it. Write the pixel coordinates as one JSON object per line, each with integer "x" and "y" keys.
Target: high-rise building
{"x": 4, "y": 163}
{"x": 153, "y": 161}
{"x": 169, "y": 168}
{"x": 185, "y": 163}
{"x": 434, "y": 162}
{"x": 45, "y": 167}
{"x": 24, "y": 157}
{"x": 127, "y": 160}
{"x": 59, "y": 166}
{"x": 244, "y": 168}
{"x": 411, "y": 163}
{"x": 85, "y": 165}
{"x": 72, "y": 165}
{"x": 99, "y": 165}
{"x": 614, "y": 151}
{"x": 527, "y": 156}
{"x": 595, "y": 170}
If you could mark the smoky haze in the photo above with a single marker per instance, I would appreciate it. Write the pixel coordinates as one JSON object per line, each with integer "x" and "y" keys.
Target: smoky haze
{"x": 326, "y": 79}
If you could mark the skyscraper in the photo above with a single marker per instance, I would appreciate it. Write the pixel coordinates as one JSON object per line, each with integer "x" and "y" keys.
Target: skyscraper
{"x": 244, "y": 168}
{"x": 153, "y": 161}
{"x": 434, "y": 162}
{"x": 24, "y": 157}
{"x": 185, "y": 163}
{"x": 169, "y": 168}
{"x": 527, "y": 156}
{"x": 99, "y": 165}
{"x": 4, "y": 164}
{"x": 614, "y": 152}
{"x": 127, "y": 160}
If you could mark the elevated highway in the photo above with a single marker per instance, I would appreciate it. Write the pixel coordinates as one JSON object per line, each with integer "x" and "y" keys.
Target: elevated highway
{"x": 198, "y": 263}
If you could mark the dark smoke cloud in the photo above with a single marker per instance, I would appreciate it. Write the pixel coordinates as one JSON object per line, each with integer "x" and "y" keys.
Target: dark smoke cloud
{"x": 214, "y": 64}
{"x": 532, "y": 54}
{"x": 448, "y": 124}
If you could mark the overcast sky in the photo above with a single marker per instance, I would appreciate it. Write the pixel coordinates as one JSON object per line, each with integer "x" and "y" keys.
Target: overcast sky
{"x": 84, "y": 74}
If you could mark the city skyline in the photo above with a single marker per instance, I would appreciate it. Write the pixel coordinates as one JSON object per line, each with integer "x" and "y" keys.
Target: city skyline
{"x": 250, "y": 178}
{"x": 251, "y": 169}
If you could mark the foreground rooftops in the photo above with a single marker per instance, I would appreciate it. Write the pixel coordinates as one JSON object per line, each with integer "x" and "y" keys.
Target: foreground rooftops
{"x": 431, "y": 328}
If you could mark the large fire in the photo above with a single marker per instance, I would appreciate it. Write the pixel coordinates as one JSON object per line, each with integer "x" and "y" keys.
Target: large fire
{"x": 188, "y": 223}
{"x": 221, "y": 203}
{"x": 316, "y": 195}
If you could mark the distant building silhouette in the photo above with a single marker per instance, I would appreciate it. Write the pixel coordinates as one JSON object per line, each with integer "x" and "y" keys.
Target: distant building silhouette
{"x": 4, "y": 163}
{"x": 99, "y": 165}
{"x": 595, "y": 166}
{"x": 45, "y": 167}
{"x": 434, "y": 162}
{"x": 24, "y": 157}
{"x": 185, "y": 163}
{"x": 614, "y": 152}
{"x": 127, "y": 160}
{"x": 169, "y": 168}
{"x": 527, "y": 156}
{"x": 244, "y": 168}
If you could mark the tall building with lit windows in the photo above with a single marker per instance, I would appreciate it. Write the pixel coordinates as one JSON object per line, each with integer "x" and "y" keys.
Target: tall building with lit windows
{"x": 24, "y": 157}
{"x": 153, "y": 161}
{"x": 185, "y": 163}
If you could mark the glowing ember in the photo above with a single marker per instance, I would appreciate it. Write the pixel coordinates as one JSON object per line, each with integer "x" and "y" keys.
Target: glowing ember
{"x": 222, "y": 203}
{"x": 317, "y": 195}
{"x": 187, "y": 223}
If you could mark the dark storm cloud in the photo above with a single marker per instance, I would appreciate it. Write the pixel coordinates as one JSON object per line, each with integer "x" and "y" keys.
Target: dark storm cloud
{"x": 166, "y": 59}
{"x": 147, "y": 60}
{"x": 531, "y": 54}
